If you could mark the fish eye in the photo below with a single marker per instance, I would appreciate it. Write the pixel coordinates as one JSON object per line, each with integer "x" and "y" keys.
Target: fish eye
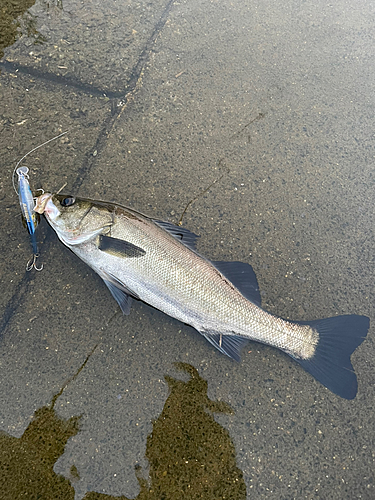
{"x": 67, "y": 202}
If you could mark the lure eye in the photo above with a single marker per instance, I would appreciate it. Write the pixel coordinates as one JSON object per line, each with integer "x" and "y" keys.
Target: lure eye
{"x": 67, "y": 202}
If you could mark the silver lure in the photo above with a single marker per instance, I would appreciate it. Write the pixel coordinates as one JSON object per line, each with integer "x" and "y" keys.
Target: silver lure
{"x": 27, "y": 205}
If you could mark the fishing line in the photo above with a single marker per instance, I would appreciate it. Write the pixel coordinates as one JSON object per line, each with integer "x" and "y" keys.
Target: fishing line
{"x": 179, "y": 223}
{"x": 27, "y": 154}
{"x": 62, "y": 187}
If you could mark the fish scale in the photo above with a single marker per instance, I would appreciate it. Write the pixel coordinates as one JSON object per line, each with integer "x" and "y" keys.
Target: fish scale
{"x": 195, "y": 285}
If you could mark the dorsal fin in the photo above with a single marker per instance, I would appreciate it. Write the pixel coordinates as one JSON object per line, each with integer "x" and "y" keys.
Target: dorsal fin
{"x": 184, "y": 235}
{"x": 243, "y": 277}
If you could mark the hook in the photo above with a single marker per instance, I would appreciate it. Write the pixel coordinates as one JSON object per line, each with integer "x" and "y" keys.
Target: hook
{"x": 32, "y": 263}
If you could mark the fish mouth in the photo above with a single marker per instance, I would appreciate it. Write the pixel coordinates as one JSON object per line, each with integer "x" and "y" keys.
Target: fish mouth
{"x": 45, "y": 205}
{"x": 41, "y": 202}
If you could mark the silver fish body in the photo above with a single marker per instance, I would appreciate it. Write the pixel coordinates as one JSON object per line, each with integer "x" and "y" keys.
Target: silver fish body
{"x": 156, "y": 262}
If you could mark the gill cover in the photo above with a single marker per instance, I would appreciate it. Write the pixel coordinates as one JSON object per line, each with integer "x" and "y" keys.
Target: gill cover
{"x": 75, "y": 220}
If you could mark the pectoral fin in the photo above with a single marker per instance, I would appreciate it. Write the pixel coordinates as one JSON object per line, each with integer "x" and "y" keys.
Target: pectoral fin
{"x": 119, "y": 248}
{"x": 123, "y": 299}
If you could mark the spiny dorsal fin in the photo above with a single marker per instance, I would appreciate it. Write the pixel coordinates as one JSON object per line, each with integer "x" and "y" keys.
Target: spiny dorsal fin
{"x": 184, "y": 235}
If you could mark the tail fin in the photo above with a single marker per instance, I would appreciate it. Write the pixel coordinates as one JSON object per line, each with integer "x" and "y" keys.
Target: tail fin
{"x": 338, "y": 338}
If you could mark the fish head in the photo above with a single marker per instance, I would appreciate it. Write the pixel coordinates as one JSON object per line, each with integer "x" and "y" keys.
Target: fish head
{"x": 75, "y": 220}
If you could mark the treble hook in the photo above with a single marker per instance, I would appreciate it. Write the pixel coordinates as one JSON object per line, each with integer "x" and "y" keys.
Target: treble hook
{"x": 32, "y": 263}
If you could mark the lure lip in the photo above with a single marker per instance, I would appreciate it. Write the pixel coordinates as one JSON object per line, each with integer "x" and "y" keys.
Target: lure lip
{"x": 45, "y": 205}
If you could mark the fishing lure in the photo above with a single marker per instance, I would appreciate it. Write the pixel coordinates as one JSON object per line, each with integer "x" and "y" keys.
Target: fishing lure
{"x": 27, "y": 204}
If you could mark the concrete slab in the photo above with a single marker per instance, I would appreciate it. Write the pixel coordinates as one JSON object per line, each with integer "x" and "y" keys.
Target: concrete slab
{"x": 90, "y": 45}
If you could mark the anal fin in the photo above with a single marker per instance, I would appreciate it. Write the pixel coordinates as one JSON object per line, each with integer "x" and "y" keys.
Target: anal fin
{"x": 231, "y": 345}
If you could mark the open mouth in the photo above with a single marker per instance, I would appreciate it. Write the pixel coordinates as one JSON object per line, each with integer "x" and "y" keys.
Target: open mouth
{"x": 41, "y": 203}
{"x": 45, "y": 205}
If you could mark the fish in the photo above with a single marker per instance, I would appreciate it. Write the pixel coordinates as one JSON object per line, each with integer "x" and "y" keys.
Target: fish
{"x": 140, "y": 257}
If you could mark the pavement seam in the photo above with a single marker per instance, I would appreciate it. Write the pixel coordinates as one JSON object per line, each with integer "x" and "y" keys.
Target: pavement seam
{"x": 90, "y": 158}
{"x": 86, "y": 88}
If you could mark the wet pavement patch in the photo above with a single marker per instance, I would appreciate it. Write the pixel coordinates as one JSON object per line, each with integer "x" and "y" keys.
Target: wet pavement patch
{"x": 190, "y": 455}
{"x": 26, "y": 463}
{"x": 10, "y": 27}
{"x": 82, "y": 48}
